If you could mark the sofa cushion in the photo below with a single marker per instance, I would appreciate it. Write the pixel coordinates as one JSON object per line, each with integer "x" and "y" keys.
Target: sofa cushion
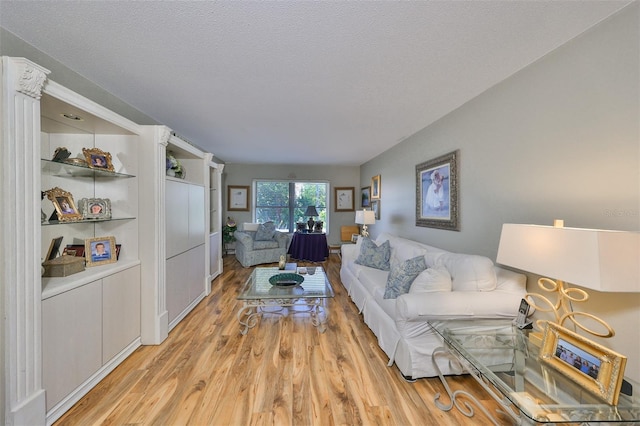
{"x": 374, "y": 256}
{"x": 469, "y": 272}
{"x": 261, "y": 245}
{"x": 266, "y": 231}
{"x": 433, "y": 279}
{"x": 402, "y": 275}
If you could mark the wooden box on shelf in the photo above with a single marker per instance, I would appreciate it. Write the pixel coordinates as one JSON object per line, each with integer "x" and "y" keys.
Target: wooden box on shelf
{"x": 63, "y": 266}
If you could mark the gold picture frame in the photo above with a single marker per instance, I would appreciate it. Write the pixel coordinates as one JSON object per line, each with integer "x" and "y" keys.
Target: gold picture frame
{"x": 100, "y": 251}
{"x": 238, "y": 198}
{"x": 376, "y": 187}
{"x": 63, "y": 203}
{"x": 593, "y": 367}
{"x": 98, "y": 159}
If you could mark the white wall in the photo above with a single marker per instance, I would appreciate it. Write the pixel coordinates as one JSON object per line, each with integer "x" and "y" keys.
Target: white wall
{"x": 337, "y": 176}
{"x": 559, "y": 139}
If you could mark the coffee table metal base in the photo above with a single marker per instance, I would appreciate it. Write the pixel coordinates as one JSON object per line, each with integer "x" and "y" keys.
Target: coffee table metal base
{"x": 252, "y": 310}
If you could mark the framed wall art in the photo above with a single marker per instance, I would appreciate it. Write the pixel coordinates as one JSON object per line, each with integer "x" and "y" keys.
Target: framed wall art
{"x": 95, "y": 208}
{"x": 238, "y": 198}
{"x": 344, "y": 199}
{"x": 100, "y": 251}
{"x": 98, "y": 159}
{"x": 437, "y": 192}
{"x": 365, "y": 196}
{"x": 375, "y": 206}
{"x": 62, "y": 200}
{"x": 593, "y": 367}
{"x": 375, "y": 187}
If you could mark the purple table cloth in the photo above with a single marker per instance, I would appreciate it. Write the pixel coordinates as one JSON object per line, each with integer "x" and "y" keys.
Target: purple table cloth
{"x": 311, "y": 247}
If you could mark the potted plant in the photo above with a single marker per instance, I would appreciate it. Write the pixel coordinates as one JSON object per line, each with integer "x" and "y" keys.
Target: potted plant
{"x": 227, "y": 233}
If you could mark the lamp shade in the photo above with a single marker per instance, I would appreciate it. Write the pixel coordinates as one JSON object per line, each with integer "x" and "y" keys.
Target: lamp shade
{"x": 365, "y": 217}
{"x": 607, "y": 261}
{"x": 311, "y": 211}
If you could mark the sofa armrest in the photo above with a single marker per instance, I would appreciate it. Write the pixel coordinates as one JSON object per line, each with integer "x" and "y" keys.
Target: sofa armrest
{"x": 282, "y": 239}
{"x": 244, "y": 239}
{"x": 412, "y": 307}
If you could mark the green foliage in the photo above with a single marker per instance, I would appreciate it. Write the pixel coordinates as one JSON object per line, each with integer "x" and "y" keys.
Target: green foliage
{"x": 273, "y": 202}
{"x": 227, "y": 233}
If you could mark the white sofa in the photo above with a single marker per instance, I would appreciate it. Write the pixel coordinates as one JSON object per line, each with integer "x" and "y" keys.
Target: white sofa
{"x": 476, "y": 289}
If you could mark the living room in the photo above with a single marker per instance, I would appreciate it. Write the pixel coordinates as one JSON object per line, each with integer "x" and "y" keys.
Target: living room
{"x": 559, "y": 139}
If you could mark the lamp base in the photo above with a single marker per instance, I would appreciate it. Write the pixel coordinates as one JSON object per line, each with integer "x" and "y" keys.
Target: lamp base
{"x": 364, "y": 232}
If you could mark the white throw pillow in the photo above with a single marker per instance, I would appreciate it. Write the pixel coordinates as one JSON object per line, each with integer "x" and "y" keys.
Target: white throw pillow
{"x": 431, "y": 280}
{"x": 469, "y": 272}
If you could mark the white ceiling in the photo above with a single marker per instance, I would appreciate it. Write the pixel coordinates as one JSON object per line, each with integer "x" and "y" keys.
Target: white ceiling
{"x": 298, "y": 82}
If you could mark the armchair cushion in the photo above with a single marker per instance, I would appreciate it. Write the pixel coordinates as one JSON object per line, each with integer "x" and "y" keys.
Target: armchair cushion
{"x": 266, "y": 231}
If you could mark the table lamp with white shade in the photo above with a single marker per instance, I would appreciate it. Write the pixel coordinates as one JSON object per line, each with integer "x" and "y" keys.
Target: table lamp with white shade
{"x": 364, "y": 218}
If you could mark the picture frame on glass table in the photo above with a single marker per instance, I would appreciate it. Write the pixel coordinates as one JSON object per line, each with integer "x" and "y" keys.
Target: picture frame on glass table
{"x": 592, "y": 366}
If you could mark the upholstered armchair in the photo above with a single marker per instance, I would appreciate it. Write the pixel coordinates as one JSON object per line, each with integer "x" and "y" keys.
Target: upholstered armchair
{"x": 260, "y": 243}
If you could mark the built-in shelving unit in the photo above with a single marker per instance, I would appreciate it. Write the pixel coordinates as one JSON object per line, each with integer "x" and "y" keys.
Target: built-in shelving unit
{"x": 90, "y": 319}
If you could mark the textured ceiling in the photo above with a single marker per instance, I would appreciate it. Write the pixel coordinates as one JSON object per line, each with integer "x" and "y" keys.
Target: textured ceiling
{"x": 298, "y": 82}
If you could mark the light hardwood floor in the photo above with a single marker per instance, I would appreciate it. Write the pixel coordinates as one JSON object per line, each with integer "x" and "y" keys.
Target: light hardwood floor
{"x": 283, "y": 372}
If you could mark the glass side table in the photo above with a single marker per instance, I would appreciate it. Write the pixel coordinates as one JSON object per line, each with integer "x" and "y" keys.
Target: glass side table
{"x": 506, "y": 364}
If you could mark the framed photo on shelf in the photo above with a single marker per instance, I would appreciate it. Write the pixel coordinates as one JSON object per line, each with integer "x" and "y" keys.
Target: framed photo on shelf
{"x": 97, "y": 159}
{"x": 238, "y": 198}
{"x": 78, "y": 250}
{"x": 375, "y": 206}
{"x": 375, "y": 187}
{"x": 437, "y": 192}
{"x": 365, "y": 196}
{"x": 95, "y": 208}
{"x": 62, "y": 200}
{"x": 54, "y": 248}
{"x": 595, "y": 368}
{"x": 100, "y": 251}
{"x": 344, "y": 199}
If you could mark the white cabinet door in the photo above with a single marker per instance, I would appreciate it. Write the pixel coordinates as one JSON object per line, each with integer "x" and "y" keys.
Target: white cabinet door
{"x": 177, "y": 285}
{"x": 177, "y": 219}
{"x": 120, "y": 311}
{"x": 197, "y": 272}
{"x": 197, "y": 216}
{"x": 71, "y": 340}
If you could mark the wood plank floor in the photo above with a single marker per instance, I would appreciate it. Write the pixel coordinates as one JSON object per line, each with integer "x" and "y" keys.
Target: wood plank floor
{"x": 283, "y": 372}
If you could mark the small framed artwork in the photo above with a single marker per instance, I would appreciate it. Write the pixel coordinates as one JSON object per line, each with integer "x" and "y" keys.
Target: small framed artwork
{"x": 375, "y": 187}
{"x": 238, "y": 198}
{"x": 354, "y": 238}
{"x": 437, "y": 192}
{"x": 98, "y": 159}
{"x": 595, "y": 368}
{"x": 100, "y": 251}
{"x": 62, "y": 200}
{"x": 54, "y": 248}
{"x": 365, "y": 196}
{"x": 375, "y": 206}
{"x": 344, "y": 199}
{"x": 74, "y": 250}
{"x": 95, "y": 208}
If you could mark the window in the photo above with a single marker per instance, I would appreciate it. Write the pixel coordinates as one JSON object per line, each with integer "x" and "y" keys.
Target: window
{"x": 285, "y": 202}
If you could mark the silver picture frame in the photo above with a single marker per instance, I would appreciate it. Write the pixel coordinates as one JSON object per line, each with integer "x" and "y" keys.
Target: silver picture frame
{"x": 95, "y": 208}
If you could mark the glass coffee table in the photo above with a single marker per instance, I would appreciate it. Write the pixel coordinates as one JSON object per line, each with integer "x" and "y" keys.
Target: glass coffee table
{"x": 260, "y": 296}
{"x": 505, "y": 363}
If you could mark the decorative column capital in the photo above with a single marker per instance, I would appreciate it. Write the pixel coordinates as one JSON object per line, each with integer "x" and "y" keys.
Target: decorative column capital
{"x": 30, "y": 77}
{"x": 165, "y": 135}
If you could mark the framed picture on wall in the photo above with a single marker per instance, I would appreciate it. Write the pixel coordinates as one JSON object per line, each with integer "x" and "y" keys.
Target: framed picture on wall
{"x": 375, "y": 187}
{"x": 375, "y": 206}
{"x": 365, "y": 196}
{"x": 344, "y": 199}
{"x": 437, "y": 192}
{"x": 238, "y": 198}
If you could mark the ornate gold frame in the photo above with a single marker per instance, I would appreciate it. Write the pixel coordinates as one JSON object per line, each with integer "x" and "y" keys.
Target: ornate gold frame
{"x": 66, "y": 212}
{"x": 90, "y": 243}
{"x": 94, "y": 156}
{"x": 606, "y": 383}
